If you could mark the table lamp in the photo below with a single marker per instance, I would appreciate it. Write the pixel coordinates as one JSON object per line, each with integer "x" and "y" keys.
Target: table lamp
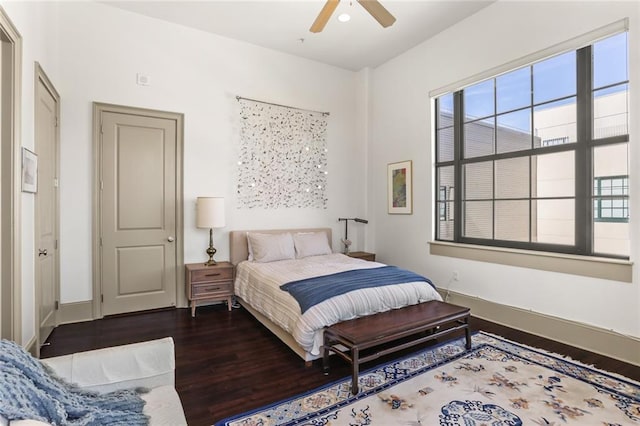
{"x": 210, "y": 214}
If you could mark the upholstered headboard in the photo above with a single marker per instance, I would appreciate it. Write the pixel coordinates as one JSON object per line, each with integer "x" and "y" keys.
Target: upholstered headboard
{"x": 238, "y": 250}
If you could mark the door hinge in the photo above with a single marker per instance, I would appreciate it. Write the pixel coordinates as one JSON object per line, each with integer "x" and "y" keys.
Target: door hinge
{"x": 55, "y": 244}
{"x": 100, "y": 241}
{"x": 55, "y": 182}
{"x": 102, "y": 298}
{"x": 55, "y": 122}
{"x": 101, "y": 129}
{"x": 57, "y": 305}
{"x": 101, "y": 185}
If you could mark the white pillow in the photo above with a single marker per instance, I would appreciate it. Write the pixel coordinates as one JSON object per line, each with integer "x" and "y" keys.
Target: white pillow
{"x": 270, "y": 247}
{"x": 311, "y": 244}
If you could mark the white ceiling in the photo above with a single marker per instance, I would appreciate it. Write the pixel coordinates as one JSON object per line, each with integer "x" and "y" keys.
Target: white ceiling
{"x": 284, "y": 25}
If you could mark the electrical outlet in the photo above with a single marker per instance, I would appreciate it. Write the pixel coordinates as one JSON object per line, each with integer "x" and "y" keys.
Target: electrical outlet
{"x": 455, "y": 275}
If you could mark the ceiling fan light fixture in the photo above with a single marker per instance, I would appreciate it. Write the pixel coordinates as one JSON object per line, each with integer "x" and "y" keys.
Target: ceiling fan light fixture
{"x": 344, "y": 17}
{"x": 374, "y": 8}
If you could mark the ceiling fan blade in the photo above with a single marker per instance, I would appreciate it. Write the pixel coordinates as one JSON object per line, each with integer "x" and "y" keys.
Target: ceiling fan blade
{"x": 378, "y": 11}
{"x": 324, "y": 15}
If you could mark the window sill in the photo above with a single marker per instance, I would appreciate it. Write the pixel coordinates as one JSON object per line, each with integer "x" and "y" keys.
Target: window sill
{"x": 588, "y": 266}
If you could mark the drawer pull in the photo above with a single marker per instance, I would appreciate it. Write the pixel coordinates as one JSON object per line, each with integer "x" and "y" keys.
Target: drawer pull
{"x": 212, "y": 288}
{"x": 212, "y": 275}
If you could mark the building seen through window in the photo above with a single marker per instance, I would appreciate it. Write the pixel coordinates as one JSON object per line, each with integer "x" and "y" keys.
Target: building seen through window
{"x": 540, "y": 155}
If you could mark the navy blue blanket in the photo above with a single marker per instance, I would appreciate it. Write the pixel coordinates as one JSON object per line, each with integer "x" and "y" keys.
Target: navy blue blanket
{"x": 311, "y": 291}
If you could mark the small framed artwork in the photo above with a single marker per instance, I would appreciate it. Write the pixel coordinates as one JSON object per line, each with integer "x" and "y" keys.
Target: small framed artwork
{"x": 29, "y": 171}
{"x": 400, "y": 188}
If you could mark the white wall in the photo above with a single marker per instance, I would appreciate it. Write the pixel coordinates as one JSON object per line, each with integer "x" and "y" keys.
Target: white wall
{"x": 99, "y": 49}
{"x": 198, "y": 74}
{"x": 401, "y": 124}
{"x": 35, "y": 27}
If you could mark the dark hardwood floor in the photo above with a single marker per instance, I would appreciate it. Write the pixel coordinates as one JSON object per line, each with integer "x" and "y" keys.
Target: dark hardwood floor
{"x": 228, "y": 363}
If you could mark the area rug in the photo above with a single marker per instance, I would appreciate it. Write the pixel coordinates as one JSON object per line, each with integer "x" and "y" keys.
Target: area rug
{"x": 496, "y": 382}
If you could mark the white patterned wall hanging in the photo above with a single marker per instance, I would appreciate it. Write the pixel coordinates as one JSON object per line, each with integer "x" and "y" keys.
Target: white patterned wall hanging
{"x": 283, "y": 156}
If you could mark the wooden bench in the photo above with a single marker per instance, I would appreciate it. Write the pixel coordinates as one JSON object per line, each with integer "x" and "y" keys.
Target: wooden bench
{"x": 373, "y": 330}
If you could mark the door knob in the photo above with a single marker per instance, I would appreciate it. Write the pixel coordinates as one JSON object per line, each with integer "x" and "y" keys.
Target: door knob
{"x": 170, "y": 239}
{"x": 42, "y": 252}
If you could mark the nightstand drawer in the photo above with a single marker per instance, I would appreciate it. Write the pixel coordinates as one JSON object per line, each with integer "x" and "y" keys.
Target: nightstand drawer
{"x": 371, "y": 257}
{"x": 212, "y": 289}
{"x": 213, "y": 274}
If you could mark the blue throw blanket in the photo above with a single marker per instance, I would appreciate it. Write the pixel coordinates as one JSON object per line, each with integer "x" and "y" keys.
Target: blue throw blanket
{"x": 311, "y": 291}
{"x": 29, "y": 391}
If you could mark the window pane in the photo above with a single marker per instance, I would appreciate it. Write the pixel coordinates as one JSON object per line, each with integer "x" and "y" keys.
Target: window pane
{"x": 478, "y": 181}
{"x": 478, "y": 138}
{"x": 555, "y": 123}
{"x": 478, "y": 219}
{"x": 554, "y": 175}
{"x": 603, "y": 187}
{"x": 610, "y": 161}
{"x": 445, "y": 144}
{"x": 619, "y": 187}
{"x": 445, "y": 224}
{"x": 513, "y": 90}
{"x": 512, "y": 220}
{"x": 610, "y": 61}
{"x": 512, "y": 179}
{"x": 514, "y": 131}
{"x": 478, "y": 101}
{"x": 445, "y": 111}
{"x": 553, "y": 221}
{"x": 611, "y": 238}
{"x": 445, "y": 183}
{"x": 554, "y": 78}
{"x": 610, "y": 111}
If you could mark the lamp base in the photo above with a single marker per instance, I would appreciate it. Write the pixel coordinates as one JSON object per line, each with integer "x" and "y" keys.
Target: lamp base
{"x": 211, "y": 251}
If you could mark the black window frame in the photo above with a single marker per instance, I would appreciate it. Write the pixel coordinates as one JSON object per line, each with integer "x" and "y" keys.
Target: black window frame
{"x": 583, "y": 148}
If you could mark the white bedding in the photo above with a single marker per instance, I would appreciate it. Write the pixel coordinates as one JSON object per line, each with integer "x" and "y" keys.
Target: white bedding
{"x": 259, "y": 285}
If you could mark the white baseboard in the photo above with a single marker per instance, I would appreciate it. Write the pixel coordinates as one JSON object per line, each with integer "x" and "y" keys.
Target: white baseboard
{"x": 583, "y": 336}
{"x": 75, "y": 312}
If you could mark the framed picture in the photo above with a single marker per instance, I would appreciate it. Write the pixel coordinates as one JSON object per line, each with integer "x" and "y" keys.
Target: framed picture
{"x": 400, "y": 188}
{"x": 29, "y": 171}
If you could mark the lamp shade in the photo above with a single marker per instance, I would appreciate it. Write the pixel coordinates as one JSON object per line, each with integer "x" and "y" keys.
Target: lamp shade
{"x": 210, "y": 212}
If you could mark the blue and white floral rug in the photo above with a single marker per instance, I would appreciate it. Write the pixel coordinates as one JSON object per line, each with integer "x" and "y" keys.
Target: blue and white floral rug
{"x": 497, "y": 382}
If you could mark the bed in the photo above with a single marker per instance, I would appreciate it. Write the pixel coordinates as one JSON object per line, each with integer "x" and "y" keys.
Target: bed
{"x": 272, "y": 264}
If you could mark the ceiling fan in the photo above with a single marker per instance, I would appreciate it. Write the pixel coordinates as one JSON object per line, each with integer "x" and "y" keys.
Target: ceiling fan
{"x": 374, "y": 8}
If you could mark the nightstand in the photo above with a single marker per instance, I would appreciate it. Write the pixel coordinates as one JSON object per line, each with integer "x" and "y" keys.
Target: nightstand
{"x": 363, "y": 255}
{"x": 209, "y": 283}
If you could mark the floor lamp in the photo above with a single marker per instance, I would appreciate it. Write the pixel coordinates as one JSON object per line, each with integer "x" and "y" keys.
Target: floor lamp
{"x": 346, "y": 240}
{"x": 210, "y": 214}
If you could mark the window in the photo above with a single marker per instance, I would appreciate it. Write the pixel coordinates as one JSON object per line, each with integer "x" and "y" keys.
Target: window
{"x": 539, "y": 155}
{"x": 611, "y": 202}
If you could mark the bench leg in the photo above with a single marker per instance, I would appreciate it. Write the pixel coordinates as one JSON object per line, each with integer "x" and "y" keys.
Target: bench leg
{"x": 467, "y": 333}
{"x": 355, "y": 362}
{"x": 325, "y": 355}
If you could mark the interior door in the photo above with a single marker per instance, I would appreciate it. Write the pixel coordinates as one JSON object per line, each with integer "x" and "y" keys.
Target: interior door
{"x": 138, "y": 212}
{"x": 46, "y": 205}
